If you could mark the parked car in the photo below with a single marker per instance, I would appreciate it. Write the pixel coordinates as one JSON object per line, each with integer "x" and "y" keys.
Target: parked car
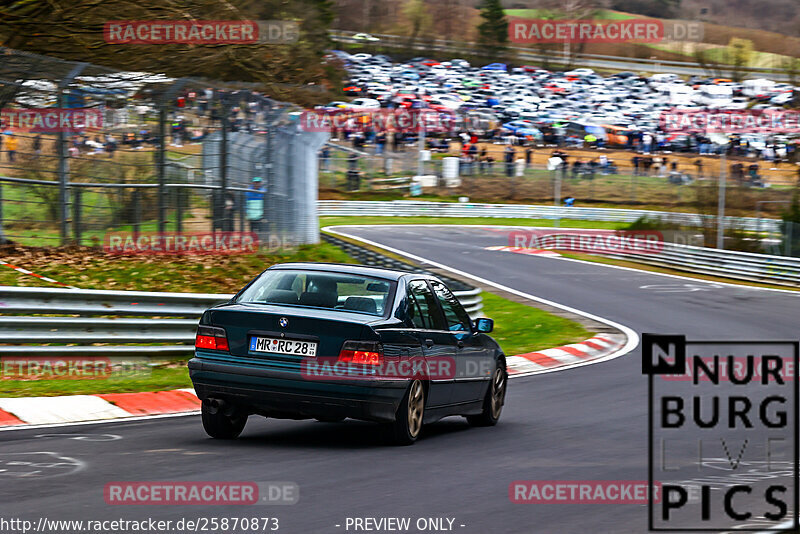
{"x": 365, "y": 37}
{"x": 262, "y": 352}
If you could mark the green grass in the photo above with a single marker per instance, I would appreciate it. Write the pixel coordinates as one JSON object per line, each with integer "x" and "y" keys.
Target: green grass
{"x": 520, "y": 328}
{"x": 160, "y": 379}
{"x": 481, "y": 221}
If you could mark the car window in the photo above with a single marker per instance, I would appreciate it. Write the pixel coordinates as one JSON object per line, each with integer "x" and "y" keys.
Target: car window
{"x": 423, "y": 310}
{"x": 320, "y": 289}
{"x": 457, "y": 318}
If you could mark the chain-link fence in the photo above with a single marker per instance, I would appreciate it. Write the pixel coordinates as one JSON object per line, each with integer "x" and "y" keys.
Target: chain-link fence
{"x": 87, "y": 151}
{"x": 589, "y": 178}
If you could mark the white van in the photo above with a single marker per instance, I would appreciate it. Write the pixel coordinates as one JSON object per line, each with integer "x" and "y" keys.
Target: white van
{"x": 664, "y": 78}
{"x": 680, "y": 95}
{"x": 714, "y": 96}
{"x": 676, "y": 94}
{"x": 760, "y": 86}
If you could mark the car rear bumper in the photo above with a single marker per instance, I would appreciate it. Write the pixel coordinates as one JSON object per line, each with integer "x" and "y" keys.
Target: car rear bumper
{"x": 286, "y": 394}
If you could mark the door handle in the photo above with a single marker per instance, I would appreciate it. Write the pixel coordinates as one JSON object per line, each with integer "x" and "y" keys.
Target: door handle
{"x": 460, "y": 344}
{"x": 428, "y": 342}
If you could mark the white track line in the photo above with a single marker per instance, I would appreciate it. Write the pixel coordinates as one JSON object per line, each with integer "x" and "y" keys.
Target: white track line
{"x": 632, "y": 337}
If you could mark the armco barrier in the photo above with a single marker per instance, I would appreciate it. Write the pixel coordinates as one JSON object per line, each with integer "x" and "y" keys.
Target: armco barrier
{"x": 731, "y": 264}
{"x": 153, "y": 324}
{"x": 780, "y": 270}
{"x": 413, "y": 208}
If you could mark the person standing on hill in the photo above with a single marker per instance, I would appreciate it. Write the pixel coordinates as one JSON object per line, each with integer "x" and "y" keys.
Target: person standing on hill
{"x": 254, "y": 205}
{"x": 509, "y": 159}
{"x": 698, "y": 163}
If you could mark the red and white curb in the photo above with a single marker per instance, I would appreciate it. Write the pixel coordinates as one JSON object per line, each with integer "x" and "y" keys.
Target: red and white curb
{"x": 528, "y": 251}
{"x": 548, "y": 360}
{"x": 102, "y": 407}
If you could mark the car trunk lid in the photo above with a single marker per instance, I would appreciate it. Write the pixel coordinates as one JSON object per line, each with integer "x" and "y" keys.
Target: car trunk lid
{"x": 327, "y": 327}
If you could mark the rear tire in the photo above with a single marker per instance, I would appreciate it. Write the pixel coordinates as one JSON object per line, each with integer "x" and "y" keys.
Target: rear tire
{"x": 221, "y": 426}
{"x": 494, "y": 400}
{"x": 407, "y": 425}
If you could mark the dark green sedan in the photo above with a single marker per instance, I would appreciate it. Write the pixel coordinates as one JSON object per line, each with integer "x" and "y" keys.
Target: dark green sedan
{"x": 331, "y": 341}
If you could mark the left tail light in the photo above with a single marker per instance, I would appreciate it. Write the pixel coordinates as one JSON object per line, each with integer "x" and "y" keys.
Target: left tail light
{"x": 211, "y": 337}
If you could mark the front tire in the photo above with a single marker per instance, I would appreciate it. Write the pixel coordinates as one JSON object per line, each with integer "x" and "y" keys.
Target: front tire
{"x": 407, "y": 425}
{"x": 221, "y": 426}
{"x": 494, "y": 400}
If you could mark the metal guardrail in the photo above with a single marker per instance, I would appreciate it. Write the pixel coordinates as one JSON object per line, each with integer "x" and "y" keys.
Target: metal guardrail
{"x": 153, "y": 324}
{"x": 408, "y": 208}
{"x": 778, "y": 270}
{"x": 89, "y": 302}
{"x": 96, "y": 330}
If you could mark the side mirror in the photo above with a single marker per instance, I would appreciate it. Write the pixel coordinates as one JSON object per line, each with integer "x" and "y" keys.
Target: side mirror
{"x": 484, "y": 325}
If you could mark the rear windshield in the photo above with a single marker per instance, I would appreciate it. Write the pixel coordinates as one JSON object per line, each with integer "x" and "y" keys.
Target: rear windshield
{"x": 315, "y": 289}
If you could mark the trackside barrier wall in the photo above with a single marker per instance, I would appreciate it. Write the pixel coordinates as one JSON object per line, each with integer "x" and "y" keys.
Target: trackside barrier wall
{"x": 173, "y": 329}
{"x": 740, "y": 265}
{"x": 406, "y": 208}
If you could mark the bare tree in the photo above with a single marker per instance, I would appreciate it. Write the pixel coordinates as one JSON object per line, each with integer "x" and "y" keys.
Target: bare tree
{"x": 73, "y": 30}
{"x": 571, "y": 10}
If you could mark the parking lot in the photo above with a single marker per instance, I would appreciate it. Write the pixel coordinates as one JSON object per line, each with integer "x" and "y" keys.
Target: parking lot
{"x": 577, "y": 108}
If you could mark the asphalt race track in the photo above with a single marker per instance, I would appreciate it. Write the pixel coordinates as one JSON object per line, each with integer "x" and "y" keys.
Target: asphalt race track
{"x": 587, "y": 423}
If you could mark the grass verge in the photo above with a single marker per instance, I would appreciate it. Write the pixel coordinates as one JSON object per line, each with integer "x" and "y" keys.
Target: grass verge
{"x": 163, "y": 378}
{"x": 520, "y": 328}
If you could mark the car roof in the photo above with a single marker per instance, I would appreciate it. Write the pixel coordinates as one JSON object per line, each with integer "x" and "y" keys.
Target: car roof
{"x": 348, "y": 268}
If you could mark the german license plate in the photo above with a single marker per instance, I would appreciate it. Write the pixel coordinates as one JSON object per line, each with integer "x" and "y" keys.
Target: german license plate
{"x": 283, "y": 346}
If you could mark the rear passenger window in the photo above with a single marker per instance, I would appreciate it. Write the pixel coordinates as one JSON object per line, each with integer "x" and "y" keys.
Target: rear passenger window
{"x": 423, "y": 309}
